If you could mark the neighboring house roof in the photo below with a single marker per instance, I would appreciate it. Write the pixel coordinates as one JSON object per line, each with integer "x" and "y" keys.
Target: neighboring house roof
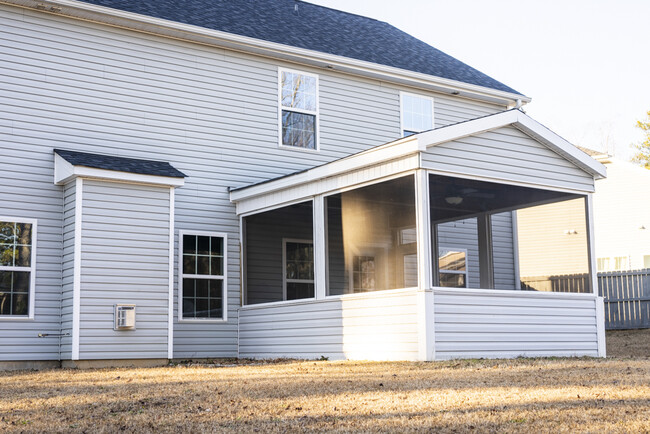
{"x": 601, "y": 156}
{"x": 122, "y": 164}
{"x": 308, "y": 26}
{"x": 421, "y": 141}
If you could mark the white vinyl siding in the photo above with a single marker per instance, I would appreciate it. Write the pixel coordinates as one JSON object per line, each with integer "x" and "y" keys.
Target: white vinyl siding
{"x": 471, "y": 324}
{"x": 67, "y": 291}
{"x": 86, "y": 87}
{"x": 17, "y": 267}
{"x": 124, "y": 260}
{"x": 506, "y": 154}
{"x": 377, "y": 326}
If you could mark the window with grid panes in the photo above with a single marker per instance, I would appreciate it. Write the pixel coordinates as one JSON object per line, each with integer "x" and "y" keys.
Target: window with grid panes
{"x": 299, "y": 269}
{"x": 203, "y": 276}
{"x": 17, "y": 266}
{"x": 298, "y": 109}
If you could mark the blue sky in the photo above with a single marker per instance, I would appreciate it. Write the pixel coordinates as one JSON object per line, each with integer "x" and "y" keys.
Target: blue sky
{"x": 586, "y": 64}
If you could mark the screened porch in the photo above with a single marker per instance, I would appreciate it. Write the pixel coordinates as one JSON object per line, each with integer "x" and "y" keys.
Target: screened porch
{"x": 384, "y": 255}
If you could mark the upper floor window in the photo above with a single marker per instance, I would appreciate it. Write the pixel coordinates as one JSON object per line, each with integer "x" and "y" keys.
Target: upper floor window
{"x": 203, "y": 274}
{"x": 298, "y": 109}
{"x": 17, "y": 267}
{"x": 417, "y": 113}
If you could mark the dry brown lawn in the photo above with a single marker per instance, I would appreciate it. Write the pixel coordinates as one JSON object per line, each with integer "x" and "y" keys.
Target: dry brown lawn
{"x": 522, "y": 395}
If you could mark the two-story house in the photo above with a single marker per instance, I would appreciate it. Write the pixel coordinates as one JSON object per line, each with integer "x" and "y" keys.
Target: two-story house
{"x": 263, "y": 178}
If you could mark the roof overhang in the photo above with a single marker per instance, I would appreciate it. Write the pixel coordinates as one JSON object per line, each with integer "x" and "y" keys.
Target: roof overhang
{"x": 65, "y": 172}
{"x": 400, "y": 156}
{"x": 172, "y": 29}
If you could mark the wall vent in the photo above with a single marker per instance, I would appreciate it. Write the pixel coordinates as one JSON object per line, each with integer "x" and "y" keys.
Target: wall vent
{"x": 124, "y": 317}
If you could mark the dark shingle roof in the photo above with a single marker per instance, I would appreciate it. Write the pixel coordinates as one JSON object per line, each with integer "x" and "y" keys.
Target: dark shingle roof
{"x": 312, "y": 27}
{"x": 121, "y": 164}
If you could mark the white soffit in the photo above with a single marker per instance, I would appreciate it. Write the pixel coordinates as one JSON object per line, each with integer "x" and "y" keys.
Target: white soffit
{"x": 65, "y": 172}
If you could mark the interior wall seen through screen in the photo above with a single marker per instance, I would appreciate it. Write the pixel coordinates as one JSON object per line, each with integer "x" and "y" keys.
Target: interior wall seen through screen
{"x": 484, "y": 233}
{"x": 553, "y": 247}
{"x": 371, "y": 238}
{"x": 279, "y": 253}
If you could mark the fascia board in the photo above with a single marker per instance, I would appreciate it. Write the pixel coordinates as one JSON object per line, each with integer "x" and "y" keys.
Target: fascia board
{"x": 65, "y": 172}
{"x": 143, "y": 23}
{"x": 390, "y": 151}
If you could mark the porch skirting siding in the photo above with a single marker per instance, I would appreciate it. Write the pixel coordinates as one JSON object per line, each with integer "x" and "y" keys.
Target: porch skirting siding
{"x": 502, "y": 324}
{"x": 373, "y": 326}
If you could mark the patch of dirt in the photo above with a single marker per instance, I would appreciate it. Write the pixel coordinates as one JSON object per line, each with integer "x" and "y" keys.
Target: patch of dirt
{"x": 628, "y": 343}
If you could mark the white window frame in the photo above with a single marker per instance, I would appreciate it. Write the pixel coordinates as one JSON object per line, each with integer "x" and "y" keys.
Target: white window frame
{"x": 31, "y": 269}
{"x": 284, "y": 268}
{"x": 182, "y": 275}
{"x": 401, "y": 110}
{"x": 466, "y": 272}
{"x": 315, "y": 113}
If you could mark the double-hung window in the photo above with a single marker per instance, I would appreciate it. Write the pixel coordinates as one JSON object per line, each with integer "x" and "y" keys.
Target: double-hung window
{"x": 298, "y": 258}
{"x": 452, "y": 266}
{"x": 17, "y": 267}
{"x": 203, "y": 283}
{"x": 363, "y": 274}
{"x": 417, "y": 113}
{"x": 298, "y": 109}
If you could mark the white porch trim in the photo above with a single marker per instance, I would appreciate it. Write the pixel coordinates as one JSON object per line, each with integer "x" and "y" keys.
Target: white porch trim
{"x": 399, "y": 156}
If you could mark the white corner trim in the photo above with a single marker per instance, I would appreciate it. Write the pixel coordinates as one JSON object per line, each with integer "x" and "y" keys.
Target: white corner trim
{"x": 65, "y": 172}
{"x": 320, "y": 248}
{"x": 426, "y": 326}
{"x": 170, "y": 312}
{"x": 76, "y": 282}
{"x": 188, "y": 32}
{"x": 591, "y": 244}
{"x": 600, "y": 326}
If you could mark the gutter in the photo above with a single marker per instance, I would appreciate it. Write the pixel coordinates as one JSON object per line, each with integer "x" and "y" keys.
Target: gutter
{"x": 145, "y": 24}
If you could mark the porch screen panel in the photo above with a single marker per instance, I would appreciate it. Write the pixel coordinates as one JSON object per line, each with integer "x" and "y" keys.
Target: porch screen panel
{"x": 553, "y": 248}
{"x": 371, "y": 243}
{"x": 498, "y": 236}
{"x": 279, "y": 257}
